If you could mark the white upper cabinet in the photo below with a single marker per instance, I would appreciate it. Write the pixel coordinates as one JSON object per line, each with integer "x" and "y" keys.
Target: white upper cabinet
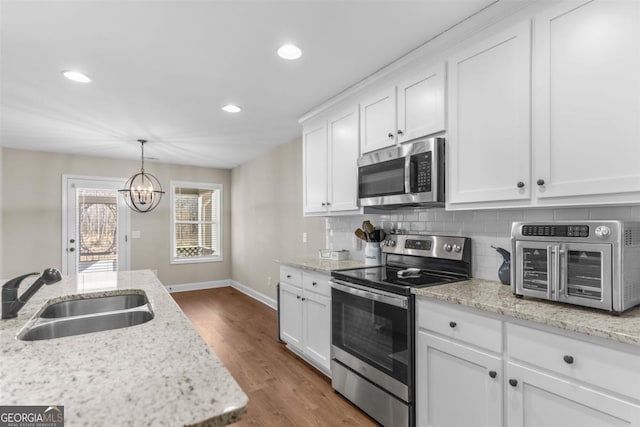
{"x": 586, "y": 131}
{"x": 421, "y": 108}
{"x": 343, "y": 156}
{"x": 314, "y": 140}
{"x": 488, "y": 150}
{"x": 378, "y": 125}
{"x": 413, "y": 108}
{"x": 330, "y": 173}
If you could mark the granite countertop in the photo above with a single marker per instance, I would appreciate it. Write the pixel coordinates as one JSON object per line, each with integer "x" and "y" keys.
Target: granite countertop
{"x": 321, "y": 265}
{"x": 156, "y": 373}
{"x": 497, "y": 298}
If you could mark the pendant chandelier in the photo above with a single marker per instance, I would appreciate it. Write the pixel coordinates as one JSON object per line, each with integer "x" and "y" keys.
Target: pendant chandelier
{"x": 143, "y": 191}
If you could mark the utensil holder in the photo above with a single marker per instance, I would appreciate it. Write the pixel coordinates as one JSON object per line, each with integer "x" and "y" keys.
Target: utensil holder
{"x": 372, "y": 253}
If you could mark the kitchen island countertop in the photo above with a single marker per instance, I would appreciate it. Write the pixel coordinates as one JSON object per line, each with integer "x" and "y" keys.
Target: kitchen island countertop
{"x": 320, "y": 265}
{"x": 159, "y": 373}
{"x": 497, "y": 298}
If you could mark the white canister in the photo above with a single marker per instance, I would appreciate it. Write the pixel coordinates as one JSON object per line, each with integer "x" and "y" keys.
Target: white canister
{"x": 372, "y": 253}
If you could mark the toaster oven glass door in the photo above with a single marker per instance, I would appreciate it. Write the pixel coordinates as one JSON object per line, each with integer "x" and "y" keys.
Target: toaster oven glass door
{"x": 569, "y": 272}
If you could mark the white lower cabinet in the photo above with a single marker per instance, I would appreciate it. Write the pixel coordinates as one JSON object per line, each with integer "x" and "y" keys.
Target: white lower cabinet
{"x": 540, "y": 399}
{"x": 457, "y": 385}
{"x": 305, "y": 315}
{"x": 540, "y": 377}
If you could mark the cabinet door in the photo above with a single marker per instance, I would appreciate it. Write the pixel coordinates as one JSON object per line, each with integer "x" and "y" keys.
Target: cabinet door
{"x": 378, "y": 121}
{"x": 457, "y": 385}
{"x": 344, "y": 148}
{"x": 421, "y": 104}
{"x": 539, "y": 399}
{"x": 489, "y": 126}
{"x": 587, "y": 99}
{"x": 290, "y": 315}
{"x": 314, "y": 171}
{"x": 317, "y": 328}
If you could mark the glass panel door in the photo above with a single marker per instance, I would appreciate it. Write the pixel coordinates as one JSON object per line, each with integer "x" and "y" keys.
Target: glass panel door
{"x": 96, "y": 222}
{"x": 586, "y": 274}
{"x": 534, "y": 269}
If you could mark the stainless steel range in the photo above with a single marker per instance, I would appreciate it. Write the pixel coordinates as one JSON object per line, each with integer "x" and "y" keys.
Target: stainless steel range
{"x": 373, "y": 323}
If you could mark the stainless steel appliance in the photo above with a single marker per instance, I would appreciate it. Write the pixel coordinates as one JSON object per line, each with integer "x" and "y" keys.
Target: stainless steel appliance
{"x": 410, "y": 174}
{"x": 373, "y": 325}
{"x": 588, "y": 263}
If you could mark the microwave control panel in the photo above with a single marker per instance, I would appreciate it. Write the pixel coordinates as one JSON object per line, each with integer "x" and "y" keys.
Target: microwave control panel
{"x": 421, "y": 172}
{"x": 555, "y": 230}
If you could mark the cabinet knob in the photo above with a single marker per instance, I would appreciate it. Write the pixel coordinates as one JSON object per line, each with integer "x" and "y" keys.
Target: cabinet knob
{"x": 328, "y": 204}
{"x": 513, "y": 382}
{"x": 314, "y": 283}
{"x": 568, "y": 359}
{"x": 288, "y": 276}
{"x": 452, "y": 324}
{"x": 72, "y": 241}
{"x": 493, "y": 374}
{"x": 520, "y": 184}
{"x": 324, "y": 204}
{"x": 72, "y": 249}
{"x": 303, "y": 298}
{"x": 400, "y": 132}
{"x": 390, "y": 135}
{"x": 540, "y": 181}
{"x": 298, "y": 297}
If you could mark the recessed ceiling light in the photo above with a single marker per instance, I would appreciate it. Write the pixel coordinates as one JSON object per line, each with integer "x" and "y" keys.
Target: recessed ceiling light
{"x": 289, "y": 51}
{"x": 230, "y": 108}
{"x": 76, "y": 76}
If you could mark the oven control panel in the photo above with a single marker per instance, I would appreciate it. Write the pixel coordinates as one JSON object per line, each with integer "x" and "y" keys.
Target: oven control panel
{"x": 445, "y": 247}
{"x": 554, "y": 230}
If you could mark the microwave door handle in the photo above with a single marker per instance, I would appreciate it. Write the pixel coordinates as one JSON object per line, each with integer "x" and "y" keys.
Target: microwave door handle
{"x": 408, "y": 166}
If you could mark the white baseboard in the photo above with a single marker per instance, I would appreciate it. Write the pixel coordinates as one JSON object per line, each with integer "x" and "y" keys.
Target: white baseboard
{"x": 183, "y": 287}
{"x": 268, "y": 301}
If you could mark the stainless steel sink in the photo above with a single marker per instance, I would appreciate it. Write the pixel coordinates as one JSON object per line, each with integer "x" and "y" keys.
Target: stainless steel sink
{"x": 79, "y": 307}
{"x": 87, "y": 315}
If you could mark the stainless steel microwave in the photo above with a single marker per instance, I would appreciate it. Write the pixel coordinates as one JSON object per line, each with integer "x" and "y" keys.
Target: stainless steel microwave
{"x": 410, "y": 174}
{"x": 588, "y": 263}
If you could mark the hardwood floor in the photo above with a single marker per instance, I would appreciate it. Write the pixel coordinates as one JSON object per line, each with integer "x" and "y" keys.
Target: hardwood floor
{"x": 283, "y": 390}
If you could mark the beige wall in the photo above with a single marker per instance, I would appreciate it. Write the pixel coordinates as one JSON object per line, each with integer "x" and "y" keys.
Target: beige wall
{"x": 32, "y": 214}
{"x": 267, "y": 221}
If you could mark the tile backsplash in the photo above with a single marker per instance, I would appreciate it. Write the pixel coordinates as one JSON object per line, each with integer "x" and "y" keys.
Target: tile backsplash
{"x": 484, "y": 227}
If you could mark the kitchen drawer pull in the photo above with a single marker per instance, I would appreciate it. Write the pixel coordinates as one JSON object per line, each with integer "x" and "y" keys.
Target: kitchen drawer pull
{"x": 493, "y": 374}
{"x": 520, "y": 184}
{"x": 513, "y": 382}
{"x": 452, "y": 324}
{"x": 568, "y": 359}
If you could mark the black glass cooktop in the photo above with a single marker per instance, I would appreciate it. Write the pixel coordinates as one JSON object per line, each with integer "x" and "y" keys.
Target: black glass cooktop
{"x": 386, "y": 278}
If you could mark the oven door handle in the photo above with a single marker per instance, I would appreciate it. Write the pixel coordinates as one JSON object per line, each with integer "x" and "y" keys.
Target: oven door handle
{"x": 349, "y": 288}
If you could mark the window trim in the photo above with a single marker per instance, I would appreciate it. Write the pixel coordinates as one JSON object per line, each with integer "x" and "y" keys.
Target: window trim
{"x": 204, "y": 186}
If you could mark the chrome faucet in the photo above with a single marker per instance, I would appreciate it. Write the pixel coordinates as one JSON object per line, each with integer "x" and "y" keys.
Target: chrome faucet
{"x": 11, "y": 303}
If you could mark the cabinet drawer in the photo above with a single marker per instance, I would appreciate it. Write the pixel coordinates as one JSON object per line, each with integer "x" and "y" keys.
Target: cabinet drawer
{"x": 591, "y": 363}
{"x": 291, "y": 275}
{"x": 316, "y": 282}
{"x": 462, "y": 325}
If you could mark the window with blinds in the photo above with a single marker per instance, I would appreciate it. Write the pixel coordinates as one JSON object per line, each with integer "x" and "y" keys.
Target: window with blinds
{"x": 196, "y": 222}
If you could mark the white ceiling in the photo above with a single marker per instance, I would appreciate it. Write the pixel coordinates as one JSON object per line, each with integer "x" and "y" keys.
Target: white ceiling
{"x": 162, "y": 70}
